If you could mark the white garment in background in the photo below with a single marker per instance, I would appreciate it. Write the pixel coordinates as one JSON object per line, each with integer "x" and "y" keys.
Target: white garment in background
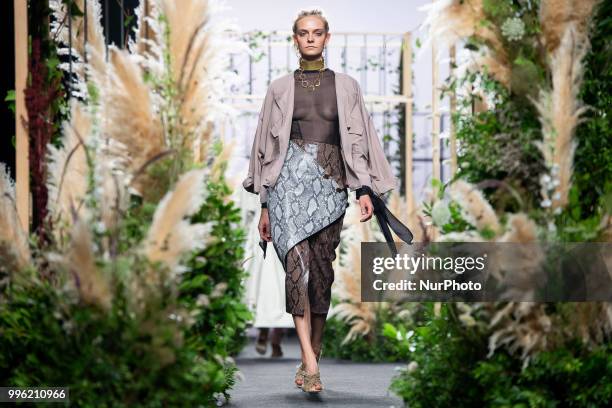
{"x": 265, "y": 285}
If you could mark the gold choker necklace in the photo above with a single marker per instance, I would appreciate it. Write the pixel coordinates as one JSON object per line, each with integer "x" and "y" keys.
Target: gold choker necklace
{"x": 311, "y": 65}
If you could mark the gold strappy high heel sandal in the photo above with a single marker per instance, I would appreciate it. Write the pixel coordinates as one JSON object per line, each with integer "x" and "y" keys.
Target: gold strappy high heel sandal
{"x": 311, "y": 381}
{"x": 301, "y": 370}
{"x": 299, "y": 375}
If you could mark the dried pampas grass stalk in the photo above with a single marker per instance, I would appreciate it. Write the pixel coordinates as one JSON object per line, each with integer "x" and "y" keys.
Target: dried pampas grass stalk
{"x": 92, "y": 285}
{"x": 220, "y": 161}
{"x": 144, "y": 34}
{"x": 475, "y": 207}
{"x": 171, "y": 234}
{"x": 522, "y": 264}
{"x": 162, "y": 92}
{"x": 521, "y": 326}
{"x": 557, "y": 15}
{"x": 497, "y": 69}
{"x": 131, "y": 118}
{"x": 69, "y": 167}
{"x": 93, "y": 50}
{"x": 449, "y": 21}
{"x": 591, "y": 322}
{"x": 197, "y": 67}
{"x": 560, "y": 110}
{"x": 14, "y": 250}
{"x": 522, "y": 229}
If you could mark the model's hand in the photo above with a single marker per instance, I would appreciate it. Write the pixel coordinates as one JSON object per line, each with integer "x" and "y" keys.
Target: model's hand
{"x": 264, "y": 225}
{"x": 365, "y": 202}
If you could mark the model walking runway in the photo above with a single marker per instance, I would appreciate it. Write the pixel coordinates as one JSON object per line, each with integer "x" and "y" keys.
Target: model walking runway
{"x": 307, "y": 203}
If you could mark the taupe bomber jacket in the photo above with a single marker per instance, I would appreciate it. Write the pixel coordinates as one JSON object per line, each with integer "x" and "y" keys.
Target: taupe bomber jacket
{"x": 364, "y": 160}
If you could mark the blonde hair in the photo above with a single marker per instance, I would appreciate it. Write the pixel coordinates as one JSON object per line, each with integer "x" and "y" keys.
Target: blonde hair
{"x": 306, "y": 13}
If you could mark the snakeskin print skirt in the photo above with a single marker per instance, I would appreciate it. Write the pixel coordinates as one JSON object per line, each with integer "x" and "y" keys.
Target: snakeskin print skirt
{"x": 306, "y": 206}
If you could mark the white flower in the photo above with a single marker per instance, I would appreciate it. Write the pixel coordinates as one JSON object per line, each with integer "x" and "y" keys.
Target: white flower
{"x": 100, "y": 227}
{"x": 467, "y": 319}
{"x": 440, "y": 213}
{"x": 202, "y": 300}
{"x": 546, "y": 203}
{"x": 513, "y": 29}
{"x": 545, "y": 179}
{"x": 554, "y": 169}
{"x": 218, "y": 290}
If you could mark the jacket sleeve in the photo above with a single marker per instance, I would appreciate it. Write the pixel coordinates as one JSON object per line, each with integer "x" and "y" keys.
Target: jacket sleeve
{"x": 371, "y": 165}
{"x": 360, "y": 149}
{"x": 252, "y": 183}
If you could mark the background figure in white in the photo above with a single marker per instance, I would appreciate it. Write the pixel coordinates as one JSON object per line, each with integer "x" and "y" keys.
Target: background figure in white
{"x": 265, "y": 285}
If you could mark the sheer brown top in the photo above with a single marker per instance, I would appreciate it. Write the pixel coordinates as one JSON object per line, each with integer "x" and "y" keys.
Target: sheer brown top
{"x": 315, "y": 113}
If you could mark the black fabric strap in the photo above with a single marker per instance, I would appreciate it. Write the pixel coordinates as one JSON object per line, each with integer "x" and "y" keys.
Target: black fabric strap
{"x": 386, "y": 219}
{"x": 361, "y": 191}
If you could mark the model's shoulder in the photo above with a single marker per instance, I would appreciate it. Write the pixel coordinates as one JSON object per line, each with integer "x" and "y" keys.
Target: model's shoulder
{"x": 346, "y": 79}
{"x": 281, "y": 82}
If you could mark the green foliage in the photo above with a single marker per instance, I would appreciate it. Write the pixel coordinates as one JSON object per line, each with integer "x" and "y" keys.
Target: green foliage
{"x": 382, "y": 344}
{"x": 444, "y": 352}
{"x": 216, "y": 274}
{"x": 579, "y": 225}
{"x": 593, "y": 157}
{"x": 450, "y": 368}
{"x": 523, "y": 49}
{"x": 571, "y": 376}
{"x": 122, "y": 358}
{"x": 10, "y": 98}
{"x": 106, "y": 359}
{"x": 120, "y": 330}
{"x": 58, "y": 109}
{"x": 499, "y": 144}
{"x": 449, "y": 364}
{"x": 214, "y": 279}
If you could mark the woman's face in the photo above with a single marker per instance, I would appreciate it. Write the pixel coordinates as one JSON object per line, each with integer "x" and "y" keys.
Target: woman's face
{"x": 311, "y": 37}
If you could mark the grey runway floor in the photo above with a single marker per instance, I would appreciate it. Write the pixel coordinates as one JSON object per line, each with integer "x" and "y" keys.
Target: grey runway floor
{"x": 269, "y": 382}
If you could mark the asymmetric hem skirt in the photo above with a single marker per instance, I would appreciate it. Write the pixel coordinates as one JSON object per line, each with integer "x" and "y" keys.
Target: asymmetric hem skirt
{"x": 306, "y": 207}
